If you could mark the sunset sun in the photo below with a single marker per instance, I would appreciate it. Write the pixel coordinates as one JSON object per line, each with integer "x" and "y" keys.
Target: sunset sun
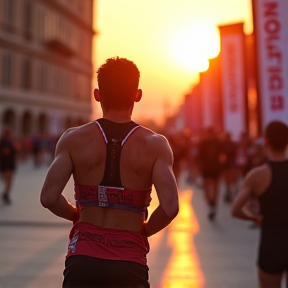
{"x": 193, "y": 46}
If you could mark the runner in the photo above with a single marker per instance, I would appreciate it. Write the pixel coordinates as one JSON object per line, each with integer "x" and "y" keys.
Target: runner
{"x": 228, "y": 166}
{"x": 8, "y": 153}
{"x": 114, "y": 163}
{"x": 210, "y": 167}
{"x": 269, "y": 183}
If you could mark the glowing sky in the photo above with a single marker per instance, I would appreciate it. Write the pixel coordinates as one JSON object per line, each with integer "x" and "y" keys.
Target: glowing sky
{"x": 169, "y": 41}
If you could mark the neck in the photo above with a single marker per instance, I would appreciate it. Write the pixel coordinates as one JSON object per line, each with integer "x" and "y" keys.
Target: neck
{"x": 117, "y": 116}
{"x": 277, "y": 156}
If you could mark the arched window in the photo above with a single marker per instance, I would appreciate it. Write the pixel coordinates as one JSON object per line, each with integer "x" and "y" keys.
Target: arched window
{"x": 42, "y": 124}
{"x": 9, "y": 118}
{"x": 27, "y": 123}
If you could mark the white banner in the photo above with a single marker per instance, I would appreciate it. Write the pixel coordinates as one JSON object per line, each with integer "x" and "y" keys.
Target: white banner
{"x": 233, "y": 80}
{"x": 271, "y": 35}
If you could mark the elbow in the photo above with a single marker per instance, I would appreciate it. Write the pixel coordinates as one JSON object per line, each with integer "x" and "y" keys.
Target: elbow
{"x": 45, "y": 201}
{"x": 172, "y": 213}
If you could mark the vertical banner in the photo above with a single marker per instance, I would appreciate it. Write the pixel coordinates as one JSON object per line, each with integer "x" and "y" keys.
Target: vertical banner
{"x": 207, "y": 94}
{"x": 56, "y": 123}
{"x": 271, "y": 39}
{"x": 210, "y": 96}
{"x": 193, "y": 112}
{"x": 233, "y": 84}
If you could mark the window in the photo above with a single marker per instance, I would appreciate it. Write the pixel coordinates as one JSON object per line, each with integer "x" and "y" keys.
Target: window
{"x": 9, "y": 14}
{"x": 42, "y": 75}
{"x": 28, "y": 21}
{"x": 26, "y": 74}
{"x": 7, "y": 69}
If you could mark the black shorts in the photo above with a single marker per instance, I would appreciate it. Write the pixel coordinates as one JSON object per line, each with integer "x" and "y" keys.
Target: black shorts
{"x": 4, "y": 167}
{"x": 210, "y": 173}
{"x": 273, "y": 257}
{"x": 87, "y": 272}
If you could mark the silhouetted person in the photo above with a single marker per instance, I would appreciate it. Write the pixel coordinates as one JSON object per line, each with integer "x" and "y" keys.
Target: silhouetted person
{"x": 269, "y": 183}
{"x": 8, "y": 153}
{"x": 227, "y": 160}
{"x": 114, "y": 163}
{"x": 210, "y": 168}
{"x": 37, "y": 151}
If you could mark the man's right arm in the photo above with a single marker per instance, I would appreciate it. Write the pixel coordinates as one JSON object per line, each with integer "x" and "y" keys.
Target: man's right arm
{"x": 166, "y": 188}
{"x": 245, "y": 194}
{"x": 56, "y": 180}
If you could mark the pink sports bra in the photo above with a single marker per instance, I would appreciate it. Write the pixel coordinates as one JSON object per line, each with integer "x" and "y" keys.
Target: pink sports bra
{"x": 115, "y": 197}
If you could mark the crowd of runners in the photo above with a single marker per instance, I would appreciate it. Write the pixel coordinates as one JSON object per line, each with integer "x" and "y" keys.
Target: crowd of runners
{"x": 215, "y": 162}
{"x": 211, "y": 160}
{"x": 13, "y": 151}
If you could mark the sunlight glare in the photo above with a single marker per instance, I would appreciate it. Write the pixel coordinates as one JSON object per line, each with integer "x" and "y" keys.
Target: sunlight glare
{"x": 183, "y": 269}
{"x": 194, "y": 45}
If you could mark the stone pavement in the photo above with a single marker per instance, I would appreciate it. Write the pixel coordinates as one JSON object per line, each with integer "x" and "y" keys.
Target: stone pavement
{"x": 191, "y": 253}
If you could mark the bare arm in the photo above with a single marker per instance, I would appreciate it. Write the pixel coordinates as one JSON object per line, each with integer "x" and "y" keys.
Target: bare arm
{"x": 56, "y": 179}
{"x": 166, "y": 188}
{"x": 239, "y": 207}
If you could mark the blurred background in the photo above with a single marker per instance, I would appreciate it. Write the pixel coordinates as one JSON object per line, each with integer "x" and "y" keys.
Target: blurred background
{"x": 200, "y": 62}
{"x": 203, "y": 64}
{"x": 197, "y": 61}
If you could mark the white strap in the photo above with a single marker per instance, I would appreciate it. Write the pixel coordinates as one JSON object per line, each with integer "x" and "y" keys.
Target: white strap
{"x": 125, "y": 139}
{"x": 105, "y": 138}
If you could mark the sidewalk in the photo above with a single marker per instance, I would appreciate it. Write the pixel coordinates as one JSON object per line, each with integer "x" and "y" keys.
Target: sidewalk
{"x": 191, "y": 253}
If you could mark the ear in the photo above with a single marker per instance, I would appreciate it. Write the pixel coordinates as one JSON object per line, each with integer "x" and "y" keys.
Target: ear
{"x": 138, "y": 95}
{"x": 97, "y": 95}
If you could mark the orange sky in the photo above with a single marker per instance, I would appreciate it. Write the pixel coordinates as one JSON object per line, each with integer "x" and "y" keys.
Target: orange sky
{"x": 169, "y": 41}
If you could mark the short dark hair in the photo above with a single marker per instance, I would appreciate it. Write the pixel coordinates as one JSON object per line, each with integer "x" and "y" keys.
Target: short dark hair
{"x": 276, "y": 133}
{"x": 118, "y": 80}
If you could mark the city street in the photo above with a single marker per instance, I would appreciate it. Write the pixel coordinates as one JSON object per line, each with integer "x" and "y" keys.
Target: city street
{"x": 191, "y": 253}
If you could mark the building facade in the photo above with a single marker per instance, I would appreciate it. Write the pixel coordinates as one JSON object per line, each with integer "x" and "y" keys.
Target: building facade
{"x": 45, "y": 65}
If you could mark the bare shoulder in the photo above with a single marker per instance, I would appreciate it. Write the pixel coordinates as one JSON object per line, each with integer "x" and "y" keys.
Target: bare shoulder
{"x": 154, "y": 139}
{"x": 75, "y": 135}
{"x": 258, "y": 172}
{"x": 258, "y": 178}
{"x": 151, "y": 135}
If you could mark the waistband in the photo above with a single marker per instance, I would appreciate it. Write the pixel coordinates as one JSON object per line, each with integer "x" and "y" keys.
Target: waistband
{"x": 107, "y": 243}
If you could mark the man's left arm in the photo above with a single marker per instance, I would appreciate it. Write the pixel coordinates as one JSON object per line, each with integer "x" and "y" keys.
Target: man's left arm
{"x": 57, "y": 177}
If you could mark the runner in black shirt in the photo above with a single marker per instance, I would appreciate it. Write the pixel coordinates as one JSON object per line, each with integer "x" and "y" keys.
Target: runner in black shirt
{"x": 269, "y": 183}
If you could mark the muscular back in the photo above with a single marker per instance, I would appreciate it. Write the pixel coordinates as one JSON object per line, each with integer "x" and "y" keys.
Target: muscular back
{"x": 87, "y": 149}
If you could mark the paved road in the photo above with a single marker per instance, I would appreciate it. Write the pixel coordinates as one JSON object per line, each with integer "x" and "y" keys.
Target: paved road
{"x": 191, "y": 253}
